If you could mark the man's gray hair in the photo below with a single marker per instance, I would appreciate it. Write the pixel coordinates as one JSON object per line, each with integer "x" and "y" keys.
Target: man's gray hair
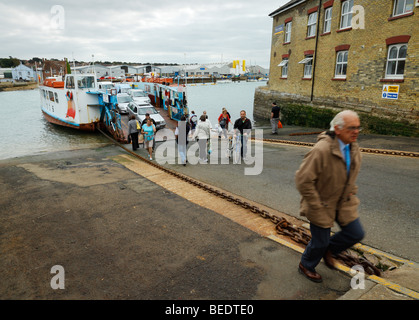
{"x": 339, "y": 119}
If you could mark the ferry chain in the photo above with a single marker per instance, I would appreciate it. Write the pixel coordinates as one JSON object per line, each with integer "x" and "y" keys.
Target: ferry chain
{"x": 282, "y": 226}
{"x": 409, "y": 154}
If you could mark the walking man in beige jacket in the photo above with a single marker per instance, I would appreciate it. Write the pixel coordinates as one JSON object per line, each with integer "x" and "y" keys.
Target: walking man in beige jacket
{"x": 326, "y": 181}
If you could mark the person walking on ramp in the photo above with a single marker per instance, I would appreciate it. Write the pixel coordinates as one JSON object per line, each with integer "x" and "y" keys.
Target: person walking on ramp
{"x": 326, "y": 181}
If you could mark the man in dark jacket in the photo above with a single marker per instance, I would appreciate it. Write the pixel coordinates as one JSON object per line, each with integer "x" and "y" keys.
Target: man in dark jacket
{"x": 326, "y": 181}
{"x": 275, "y": 114}
{"x": 243, "y": 125}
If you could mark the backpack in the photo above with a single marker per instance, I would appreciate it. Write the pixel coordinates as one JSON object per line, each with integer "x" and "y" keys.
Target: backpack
{"x": 194, "y": 119}
{"x": 223, "y": 122}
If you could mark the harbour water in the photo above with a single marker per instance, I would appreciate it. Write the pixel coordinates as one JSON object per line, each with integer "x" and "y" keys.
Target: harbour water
{"x": 26, "y": 132}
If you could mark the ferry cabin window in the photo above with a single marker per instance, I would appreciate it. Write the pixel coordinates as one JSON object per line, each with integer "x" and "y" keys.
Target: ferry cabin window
{"x": 51, "y": 96}
{"x": 327, "y": 20}
{"x": 70, "y": 82}
{"x": 396, "y": 60}
{"x": 346, "y": 17}
{"x": 341, "y": 64}
{"x": 288, "y": 32}
{"x": 56, "y": 97}
{"x": 86, "y": 82}
{"x": 311, "y": 26}
{"x": 402, "y": 7}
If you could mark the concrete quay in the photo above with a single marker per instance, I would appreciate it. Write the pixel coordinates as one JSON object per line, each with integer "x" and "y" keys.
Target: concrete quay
{"x": 122, "y": 229}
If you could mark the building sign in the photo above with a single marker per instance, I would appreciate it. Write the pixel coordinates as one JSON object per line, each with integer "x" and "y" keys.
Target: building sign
{"x": 390, "y": 92}
{"x": 279, "y": 29}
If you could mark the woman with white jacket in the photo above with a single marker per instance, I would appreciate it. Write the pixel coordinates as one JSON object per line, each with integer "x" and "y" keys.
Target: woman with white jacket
{"x": 203, "y": 133}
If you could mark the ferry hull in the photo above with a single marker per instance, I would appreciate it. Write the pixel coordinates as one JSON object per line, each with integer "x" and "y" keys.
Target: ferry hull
{"x": 83, "y": 126}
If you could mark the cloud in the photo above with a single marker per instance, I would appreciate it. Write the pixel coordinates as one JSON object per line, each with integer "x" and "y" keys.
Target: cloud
{"x": 182, "y": 31}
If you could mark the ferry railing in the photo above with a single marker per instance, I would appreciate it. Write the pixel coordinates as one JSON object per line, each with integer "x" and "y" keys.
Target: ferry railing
{"x": 109, "y": 114}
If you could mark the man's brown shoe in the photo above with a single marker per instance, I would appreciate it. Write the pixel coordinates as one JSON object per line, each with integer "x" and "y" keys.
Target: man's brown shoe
{"x": 329, "y": 260}
{"x": 313, "y": 276}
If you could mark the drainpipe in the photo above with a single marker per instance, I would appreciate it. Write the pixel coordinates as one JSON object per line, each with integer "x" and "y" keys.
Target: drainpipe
{"x": 313, "y": 77}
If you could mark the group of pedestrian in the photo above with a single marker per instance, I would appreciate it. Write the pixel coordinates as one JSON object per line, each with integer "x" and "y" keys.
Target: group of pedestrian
{"x": 147, "y": 128}
{"x": 200, "y": 130}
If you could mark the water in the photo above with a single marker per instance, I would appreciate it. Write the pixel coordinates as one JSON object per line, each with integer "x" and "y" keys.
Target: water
{"x": 232, "y": 96}
{"x": 24, "y": 131}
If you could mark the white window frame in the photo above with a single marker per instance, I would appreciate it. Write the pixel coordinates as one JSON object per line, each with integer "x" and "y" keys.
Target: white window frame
{"x": 346, "y": 14}
{"x": 341, "y": 62}
{"x": 397, "y": 60}
{"x": 284, "y": 65}
{"x": 327, "y": 27}
{"x": 405, "y": 3}
{"x": 308, "y": 66}
{"x": 288, "y": 27}
{"x": 312, "y": 24}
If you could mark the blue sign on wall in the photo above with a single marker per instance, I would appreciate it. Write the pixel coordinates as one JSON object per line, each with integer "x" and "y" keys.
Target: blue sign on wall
{"x": 279, "y": 29}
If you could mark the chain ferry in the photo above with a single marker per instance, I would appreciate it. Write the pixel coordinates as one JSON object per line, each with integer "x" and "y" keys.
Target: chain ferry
{"x": 77, "y": 102}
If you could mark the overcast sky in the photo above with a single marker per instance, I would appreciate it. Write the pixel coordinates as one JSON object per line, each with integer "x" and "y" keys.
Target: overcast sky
{"x": 177, "y": 31}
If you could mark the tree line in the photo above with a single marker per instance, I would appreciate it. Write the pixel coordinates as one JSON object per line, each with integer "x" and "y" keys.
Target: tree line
{"x": 14, "y": 62}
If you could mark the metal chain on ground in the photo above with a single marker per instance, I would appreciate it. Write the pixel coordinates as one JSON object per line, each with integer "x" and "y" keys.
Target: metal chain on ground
{"x": 282, "y": 226}
{"x": 304, "y": 133}
{"x": 409, "y": 154}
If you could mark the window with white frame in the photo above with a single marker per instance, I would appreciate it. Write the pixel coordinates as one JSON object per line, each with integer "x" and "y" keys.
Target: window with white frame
{"x": 402, "y": 7}
{"x": 341, "y": 64}
{"x": 284, "y": 65}
{"x": 327, "y": 20}
{"x": 346, "y": 16}
{"x": 308, "y": 66}
{"x": 396, "y": 60}
{"x": 288, "y": 32}
{"x": 311, "y": 25}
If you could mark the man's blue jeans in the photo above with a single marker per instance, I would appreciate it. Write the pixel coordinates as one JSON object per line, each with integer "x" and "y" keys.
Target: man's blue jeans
{"x": 321, "y": 241}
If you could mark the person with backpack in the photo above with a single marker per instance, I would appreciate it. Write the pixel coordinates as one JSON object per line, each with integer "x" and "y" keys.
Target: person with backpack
{"x": 223, "y": 121}
{"x": 193, "y": 121}
{"x": 133, "y": 131}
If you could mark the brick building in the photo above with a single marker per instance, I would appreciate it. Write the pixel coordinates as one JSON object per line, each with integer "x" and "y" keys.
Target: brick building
{"x": 51, "y": 68}
{"x": 356, "y": 54}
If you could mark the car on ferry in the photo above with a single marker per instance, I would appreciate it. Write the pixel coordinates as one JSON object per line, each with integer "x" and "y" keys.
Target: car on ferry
{"x": 140, "y": 110}
{"x": 105, "y": 85}
{"x": 124, "y": 99}
{"x": 139, "y": 96}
